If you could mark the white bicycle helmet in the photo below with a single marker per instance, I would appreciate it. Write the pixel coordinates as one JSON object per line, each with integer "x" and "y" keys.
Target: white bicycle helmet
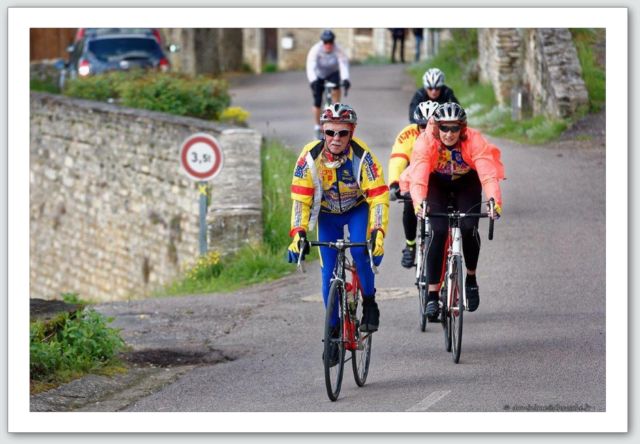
{"x": 424, "y": 111}
{"x": 339, "y": 112}
{"x": 451, "y": 112}
{"x": 433, "y": 78}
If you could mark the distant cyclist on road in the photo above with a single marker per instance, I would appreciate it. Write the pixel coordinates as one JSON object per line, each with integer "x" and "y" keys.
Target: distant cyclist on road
{"x": 433, "y": 89}
{"x": 398, "y": 162}
{"x": 337, "y": 182}
{"x": 326, "y": 61}
{"x": 454, "y": 160}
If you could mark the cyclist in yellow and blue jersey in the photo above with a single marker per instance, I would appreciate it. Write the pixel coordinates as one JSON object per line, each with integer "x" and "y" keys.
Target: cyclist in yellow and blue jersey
{"x": 398, "y": 162}
{"x": 338, "y": 181}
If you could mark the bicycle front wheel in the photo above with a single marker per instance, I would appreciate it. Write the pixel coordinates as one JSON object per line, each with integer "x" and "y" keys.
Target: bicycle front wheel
{"x": 457, "y": 305}
{"x": 333, "y": 372}
{"x": 423, "y": 291}
{"x": 445, "y": 317}
{"x": 361, "y": 357}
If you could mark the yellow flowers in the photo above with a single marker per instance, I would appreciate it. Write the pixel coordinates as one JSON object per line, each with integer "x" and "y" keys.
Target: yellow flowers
{"x": 205, "y": 267}
{"x": 235, "y": 115}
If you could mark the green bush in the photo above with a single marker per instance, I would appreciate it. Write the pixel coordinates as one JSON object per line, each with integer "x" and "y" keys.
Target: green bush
{"x": 200, "y": 97}
{"x": 72, "y": 345}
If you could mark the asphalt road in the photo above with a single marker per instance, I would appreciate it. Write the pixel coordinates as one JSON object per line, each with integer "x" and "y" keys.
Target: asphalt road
{"x": 537, "y": 340}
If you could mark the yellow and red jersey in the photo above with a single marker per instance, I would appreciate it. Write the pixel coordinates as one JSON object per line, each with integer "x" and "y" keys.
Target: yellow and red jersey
{"x": 317, "y": 187}
{"x": 401, "y": 151}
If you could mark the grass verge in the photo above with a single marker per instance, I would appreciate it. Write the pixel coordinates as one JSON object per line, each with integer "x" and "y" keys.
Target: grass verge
{"x": 71, "y": 345}
{"x": 253, "y": 263}
{"x": 591, "y": 54}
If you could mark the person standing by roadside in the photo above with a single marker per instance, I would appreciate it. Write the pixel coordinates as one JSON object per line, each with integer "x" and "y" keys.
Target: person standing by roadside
{"x": 398, "y": 37}
{"x": 433, "y": 89}
{"x": 418, "y": 33}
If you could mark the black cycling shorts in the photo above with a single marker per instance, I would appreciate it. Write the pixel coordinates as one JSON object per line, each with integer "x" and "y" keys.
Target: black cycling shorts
{"x": 319, "y": 88}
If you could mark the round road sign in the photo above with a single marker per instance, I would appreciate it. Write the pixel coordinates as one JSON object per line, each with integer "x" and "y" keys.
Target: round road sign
{"x": 201, "y": 157}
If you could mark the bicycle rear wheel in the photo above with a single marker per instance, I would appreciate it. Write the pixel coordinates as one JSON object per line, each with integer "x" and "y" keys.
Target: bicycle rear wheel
{"x": 457, "y": 310}
{"x": 333, "y": 373}
{"x": 361, "y": 357}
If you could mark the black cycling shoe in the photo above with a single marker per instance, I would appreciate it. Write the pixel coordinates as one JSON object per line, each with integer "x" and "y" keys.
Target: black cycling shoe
{"x": 473, "y": 294}
{"x": 433, "y": 308}
{"x": 334, "y": 352}
{"x": 370, "y": 316}
{"x": 408, "y": 256}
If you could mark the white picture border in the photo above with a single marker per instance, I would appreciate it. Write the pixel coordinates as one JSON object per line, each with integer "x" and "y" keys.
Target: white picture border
{"x": 613, "y": 19}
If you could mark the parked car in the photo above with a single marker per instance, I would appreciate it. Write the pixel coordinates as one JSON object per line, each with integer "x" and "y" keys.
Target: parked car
{"x": 82, "y": 33}
{"x": 95, "y": 54}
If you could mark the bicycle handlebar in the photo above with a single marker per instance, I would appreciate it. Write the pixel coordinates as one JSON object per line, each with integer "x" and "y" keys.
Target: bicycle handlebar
{"x": 340, "y": 245}
{"x": 460, "y": 215}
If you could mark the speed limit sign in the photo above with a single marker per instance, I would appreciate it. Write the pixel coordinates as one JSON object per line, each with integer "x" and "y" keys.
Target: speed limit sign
{"x": 201, "y": 157}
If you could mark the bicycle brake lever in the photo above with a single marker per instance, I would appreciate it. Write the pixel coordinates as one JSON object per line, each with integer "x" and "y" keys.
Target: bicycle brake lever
{"x": 300, "y": 266}
{"x": 373, "y": 266}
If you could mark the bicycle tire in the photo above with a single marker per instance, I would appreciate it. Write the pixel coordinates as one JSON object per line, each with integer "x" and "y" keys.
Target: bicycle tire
{"x": 423, "y": 288}
{"x": 333, "y": 374}
{"x": 457, "y": 313}
{"x": 361, "y": 358}
{"x": 445, "y": 318}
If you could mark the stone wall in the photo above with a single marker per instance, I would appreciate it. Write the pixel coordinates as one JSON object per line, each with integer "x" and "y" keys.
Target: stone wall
{"x": 552, "y": 73}
{"x": 500, "y": 60}
{"x": 542, "y": 63}
{"x": 111, "y": 214}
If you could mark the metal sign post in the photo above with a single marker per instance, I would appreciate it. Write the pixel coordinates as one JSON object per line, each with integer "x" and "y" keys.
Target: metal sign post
{"x": 202, "y": 235}
{"x": 201, "y": 159}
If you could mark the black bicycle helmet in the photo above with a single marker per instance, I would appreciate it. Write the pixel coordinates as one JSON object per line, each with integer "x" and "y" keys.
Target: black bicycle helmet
{"x": 327, "y": 36}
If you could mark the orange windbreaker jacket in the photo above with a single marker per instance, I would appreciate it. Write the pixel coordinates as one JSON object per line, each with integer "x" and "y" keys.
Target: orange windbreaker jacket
{"x": 476, "y": 151}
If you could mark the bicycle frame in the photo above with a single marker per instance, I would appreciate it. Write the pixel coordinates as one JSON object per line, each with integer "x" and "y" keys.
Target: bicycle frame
{"x": 343, "y": 265}
{"x": 454, "y": 247}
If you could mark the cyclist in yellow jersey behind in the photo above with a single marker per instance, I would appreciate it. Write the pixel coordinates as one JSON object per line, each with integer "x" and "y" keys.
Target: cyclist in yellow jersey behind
{"x": 398, "y": 162}
{"x": 336, "y": 182}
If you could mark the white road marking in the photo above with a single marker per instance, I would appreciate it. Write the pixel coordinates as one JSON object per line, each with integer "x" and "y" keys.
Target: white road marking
{"x": 382, "y": 294}
{"x": 430, "y": 400}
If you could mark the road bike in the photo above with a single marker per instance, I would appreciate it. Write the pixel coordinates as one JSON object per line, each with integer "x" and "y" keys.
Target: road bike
{"x": 423, "y": 241}
{"x": 345, "y": 291}
{"x": 328, "y": 92}
{"x": 453, "y": 301}
{"x": 327, "y": 100}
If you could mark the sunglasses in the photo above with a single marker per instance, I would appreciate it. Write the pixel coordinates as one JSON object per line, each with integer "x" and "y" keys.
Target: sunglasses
{"x": 422, "y": 126}
{"x": 341, "y": 133}
{"x": 434, "y": 89}
{"x": 449, "y": 128}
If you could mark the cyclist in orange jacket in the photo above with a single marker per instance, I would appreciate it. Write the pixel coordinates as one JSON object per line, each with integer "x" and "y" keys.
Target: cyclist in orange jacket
{"x": 458, "y": 160}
